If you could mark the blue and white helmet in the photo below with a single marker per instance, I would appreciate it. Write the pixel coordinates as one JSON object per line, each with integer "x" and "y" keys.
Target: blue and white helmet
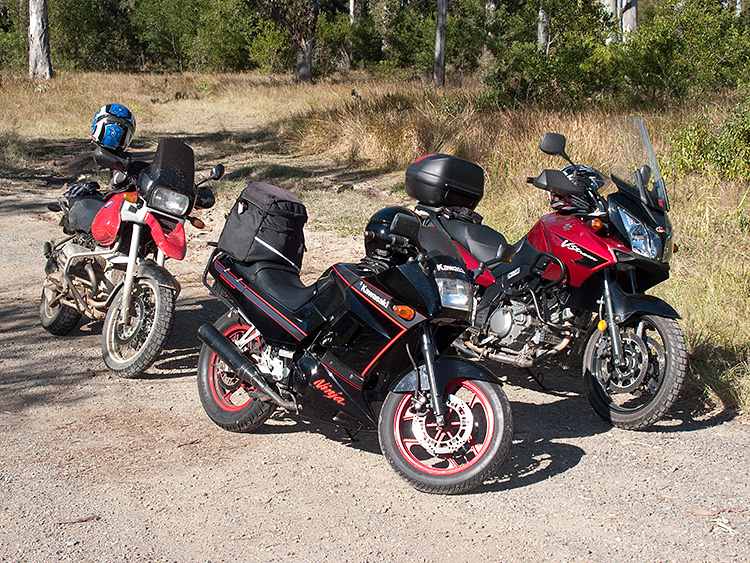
{"x": 113, "y": 127}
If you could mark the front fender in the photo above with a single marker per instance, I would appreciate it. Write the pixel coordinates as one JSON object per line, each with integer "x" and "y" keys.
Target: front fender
{"x": 150, "y": 269}
{"x": 626, "y": 305}
{"x": 446, "y": 368}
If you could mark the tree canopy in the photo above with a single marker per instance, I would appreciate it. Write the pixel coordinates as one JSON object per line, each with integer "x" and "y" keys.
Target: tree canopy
{"x": 680, "y": 48}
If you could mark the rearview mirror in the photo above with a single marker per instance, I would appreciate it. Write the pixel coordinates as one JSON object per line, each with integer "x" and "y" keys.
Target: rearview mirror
{"x": 216, "y": 172}
{"x": 554, "y": 145}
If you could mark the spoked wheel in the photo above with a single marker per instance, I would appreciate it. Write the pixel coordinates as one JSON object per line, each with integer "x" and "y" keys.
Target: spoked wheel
{"x": 227, "y": 400}
{"x": 130, "y": 348}
{"x": 57, "y": 318}
{"x": 458, "y": 457}
{"x": 638, "y": 393}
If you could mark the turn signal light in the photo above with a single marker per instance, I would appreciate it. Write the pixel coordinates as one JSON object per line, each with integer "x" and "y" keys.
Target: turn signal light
{"x": 197, "y": 223}
{"x": 602, "y": 325}
{"x": 404, "y": 311}
{"x": 596, "y": 224}
{"x": 130, "y": 197}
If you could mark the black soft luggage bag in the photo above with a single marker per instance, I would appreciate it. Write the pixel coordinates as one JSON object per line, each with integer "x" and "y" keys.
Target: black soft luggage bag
{"x": 266, "y": 224}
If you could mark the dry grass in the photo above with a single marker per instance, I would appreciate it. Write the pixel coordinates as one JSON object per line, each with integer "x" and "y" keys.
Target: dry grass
{"x": 385, "y": 124}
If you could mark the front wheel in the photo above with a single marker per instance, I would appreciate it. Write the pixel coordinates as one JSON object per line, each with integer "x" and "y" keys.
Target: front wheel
{"x": 130, "y": 349}
{"x": 637, "y": 394}
{"x": 454, "y": 459}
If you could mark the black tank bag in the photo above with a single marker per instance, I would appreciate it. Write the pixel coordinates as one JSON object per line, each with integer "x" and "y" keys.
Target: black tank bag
{"x": 266, "y": 224}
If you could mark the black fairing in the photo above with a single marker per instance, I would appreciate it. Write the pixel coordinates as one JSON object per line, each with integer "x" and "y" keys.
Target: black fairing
{"x": 173, "y": 168}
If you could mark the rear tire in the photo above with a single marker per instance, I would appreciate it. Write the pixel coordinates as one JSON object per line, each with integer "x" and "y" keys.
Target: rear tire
{"x": 128, "y": 351}
{"x": 459, "y": 457}
{"x": 223, "y": 396}
{"x": 59, "y": 319}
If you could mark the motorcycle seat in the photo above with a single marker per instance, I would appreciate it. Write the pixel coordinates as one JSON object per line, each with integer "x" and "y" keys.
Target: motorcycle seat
{"x": 482, "y": 242}
{"x": 283, "y": 284}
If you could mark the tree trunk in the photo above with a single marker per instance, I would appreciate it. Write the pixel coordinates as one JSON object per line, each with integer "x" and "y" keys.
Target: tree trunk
{"x": 40, "y": 65}
{"x": 303, "y": 68}
{"x": 629, "y": 15}
{"x": 438, "y": 74}
{"x": 542, "y": 31}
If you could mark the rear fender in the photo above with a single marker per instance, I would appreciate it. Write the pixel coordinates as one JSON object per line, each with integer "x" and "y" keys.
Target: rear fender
{"x": 446, "y": 368}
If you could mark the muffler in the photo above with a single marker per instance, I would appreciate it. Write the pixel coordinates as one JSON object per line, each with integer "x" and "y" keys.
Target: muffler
{"x": 244, "y": 368}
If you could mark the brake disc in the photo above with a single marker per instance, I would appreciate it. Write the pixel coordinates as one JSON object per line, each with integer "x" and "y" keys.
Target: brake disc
{"x": 443, "y": 442}
{"x": 630, "y": 376}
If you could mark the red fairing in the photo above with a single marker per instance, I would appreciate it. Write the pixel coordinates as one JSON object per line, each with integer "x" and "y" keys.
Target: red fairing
{"x": 486, "y": 279}
{"x": 107, "y": 222}
{"x": 573, "y": 241}
{"x": 172, "y": 242}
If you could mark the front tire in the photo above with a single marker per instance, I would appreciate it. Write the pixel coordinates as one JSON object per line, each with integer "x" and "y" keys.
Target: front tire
{"x": 469, "y": 449}
{"x": 223, "y": 396}
{"x": 129, "y": 350}
{"x": 637, "y": 395}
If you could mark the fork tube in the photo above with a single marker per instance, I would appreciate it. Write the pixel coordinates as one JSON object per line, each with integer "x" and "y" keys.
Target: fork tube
{"x": 428, "y": 349}
{"x": 614, "y": 330}
{"x": 127, "y": 287}
{"x": 160, "y": 257}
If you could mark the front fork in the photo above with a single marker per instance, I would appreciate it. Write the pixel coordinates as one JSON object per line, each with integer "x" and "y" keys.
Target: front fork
{"x": 127, "y": 286}
{"x": 614, "y": 330}
{"x": 428, "y": 350}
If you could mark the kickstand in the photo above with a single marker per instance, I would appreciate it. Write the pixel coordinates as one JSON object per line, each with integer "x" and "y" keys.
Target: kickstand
{"x": 352, "y": 437}
{"x": 537, "y": 377}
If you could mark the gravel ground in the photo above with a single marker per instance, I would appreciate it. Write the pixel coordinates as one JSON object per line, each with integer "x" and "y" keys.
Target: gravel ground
{"x": 94, "y": 468}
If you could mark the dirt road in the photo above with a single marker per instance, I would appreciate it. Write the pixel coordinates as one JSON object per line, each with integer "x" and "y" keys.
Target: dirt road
{"x": 96, "y": 469}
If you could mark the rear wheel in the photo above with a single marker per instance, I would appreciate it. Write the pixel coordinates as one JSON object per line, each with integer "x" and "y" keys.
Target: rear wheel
{"x": 226, "y": 399}
{"x": 130, "y": 349}
{"x": 458, "y": 457}
{"x": 636, "y": 395}
{"x": 57, "y": 318}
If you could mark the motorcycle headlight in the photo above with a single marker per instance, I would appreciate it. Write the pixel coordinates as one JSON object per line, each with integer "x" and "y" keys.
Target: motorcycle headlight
{"x": 170, "y": 201}
{"x": 454, "y": 293}
{"x": 643, "y": 240}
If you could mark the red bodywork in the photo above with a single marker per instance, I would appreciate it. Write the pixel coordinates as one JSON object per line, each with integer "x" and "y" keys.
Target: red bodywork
{"x": 486, "y": 279}
{"x": 575, "y": 242}
{"x": 108, "y": 222}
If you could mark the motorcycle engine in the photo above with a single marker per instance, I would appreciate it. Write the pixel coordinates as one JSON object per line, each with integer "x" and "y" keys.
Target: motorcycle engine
{"x": 512, "y": 325}
{"x": 515, "y": 327}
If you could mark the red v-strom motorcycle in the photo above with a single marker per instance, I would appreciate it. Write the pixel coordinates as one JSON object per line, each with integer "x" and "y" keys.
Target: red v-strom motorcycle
{"x": 579, "y": 274}
{"x": 360, "y": 348}
{"x": 111, "y": 266}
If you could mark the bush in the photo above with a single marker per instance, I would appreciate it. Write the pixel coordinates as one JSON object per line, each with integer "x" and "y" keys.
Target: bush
{"x": 721, "y": 150}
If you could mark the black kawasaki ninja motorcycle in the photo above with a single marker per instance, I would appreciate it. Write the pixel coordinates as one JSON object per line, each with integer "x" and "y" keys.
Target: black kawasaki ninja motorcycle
{"x": 361, "y": 347}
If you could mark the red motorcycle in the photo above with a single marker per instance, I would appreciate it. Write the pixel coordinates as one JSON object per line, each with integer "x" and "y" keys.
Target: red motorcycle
{"x": 111, "y": 266}
{"x": 579, "y": 274}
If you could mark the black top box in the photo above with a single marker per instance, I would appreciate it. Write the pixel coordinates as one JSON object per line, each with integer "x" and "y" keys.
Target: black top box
{"x": 442, "y": 180}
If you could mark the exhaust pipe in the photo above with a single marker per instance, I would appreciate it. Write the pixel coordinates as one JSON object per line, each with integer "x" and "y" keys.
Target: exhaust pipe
{"x": 244, "y": 368}
{"x": 516, "y": 361}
